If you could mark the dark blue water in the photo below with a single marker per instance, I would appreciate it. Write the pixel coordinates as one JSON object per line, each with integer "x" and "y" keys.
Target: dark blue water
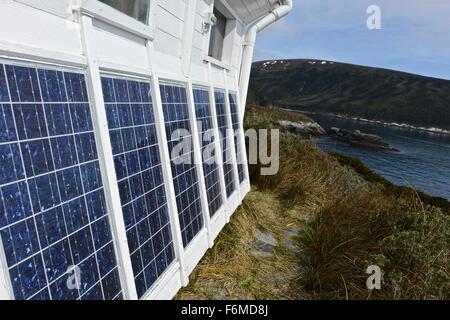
{"x": 422, "y": 163}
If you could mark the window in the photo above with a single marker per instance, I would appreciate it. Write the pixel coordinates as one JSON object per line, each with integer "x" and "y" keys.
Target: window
{"x": 217, "y": 35}
{"x": 137, "y": 9}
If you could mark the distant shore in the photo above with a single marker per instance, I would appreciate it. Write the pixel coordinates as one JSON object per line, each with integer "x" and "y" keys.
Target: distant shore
{"x": 379, "y": 122}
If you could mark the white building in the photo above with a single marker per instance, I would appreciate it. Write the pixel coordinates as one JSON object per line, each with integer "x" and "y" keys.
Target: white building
{"x": 92, "y": 205}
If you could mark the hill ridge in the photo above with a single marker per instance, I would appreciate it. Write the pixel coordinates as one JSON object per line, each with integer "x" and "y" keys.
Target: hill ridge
{"x": 352, "y": 90}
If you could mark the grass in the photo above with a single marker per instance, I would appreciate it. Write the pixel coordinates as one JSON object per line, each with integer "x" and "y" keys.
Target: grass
{"x": 229, "y": 271}
{"x": 347, "y": 218}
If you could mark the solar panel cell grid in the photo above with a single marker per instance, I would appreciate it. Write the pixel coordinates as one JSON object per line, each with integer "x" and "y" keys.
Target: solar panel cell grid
{"x": 237, "y": 136}
{"x": 206, "y": 136}
{"x": 228, "y": 162}
{"x": 53, "y": 215}
{"x": 138, "y": 168}
{"x": 184, "y": 172}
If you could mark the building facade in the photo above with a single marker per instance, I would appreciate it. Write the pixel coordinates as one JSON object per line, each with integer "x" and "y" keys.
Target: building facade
{"x": 95, "y": 202}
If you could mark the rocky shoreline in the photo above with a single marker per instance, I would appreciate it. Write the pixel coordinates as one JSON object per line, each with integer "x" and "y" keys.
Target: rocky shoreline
{"x": 304, "y": 129}
{"x": 314, "y": 130}
{"x": 361, "y": 139}
{"x": 377, "y": 122}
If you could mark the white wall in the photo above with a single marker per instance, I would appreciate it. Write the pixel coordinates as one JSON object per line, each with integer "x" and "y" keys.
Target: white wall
{"x": 49, "y": 32}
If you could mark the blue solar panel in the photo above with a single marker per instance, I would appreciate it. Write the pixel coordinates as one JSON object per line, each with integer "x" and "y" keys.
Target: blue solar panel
{"x": 222, "y": 121}
{"x": 206, "y": 136}
{"x": 176, "y": 116}
{"x": 53, "y": 214}
{"x": 237, "y": 136}
{"x": 139, "y": 173}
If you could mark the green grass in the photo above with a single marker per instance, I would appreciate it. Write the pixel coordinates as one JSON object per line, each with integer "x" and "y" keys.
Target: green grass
{"x": 349, "y": 218}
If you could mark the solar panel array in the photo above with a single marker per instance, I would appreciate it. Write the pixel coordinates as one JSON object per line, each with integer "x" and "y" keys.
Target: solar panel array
{"x": 222, "y": 121}
{"x": 184, "y": 172}
{"x": 237, "y": 136}
{"x": 207, "y": 143}
{"x": 139, "y": 173}
{"x": 54, "y": 223}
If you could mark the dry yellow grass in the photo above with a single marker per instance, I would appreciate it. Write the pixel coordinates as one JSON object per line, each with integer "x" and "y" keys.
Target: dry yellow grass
{"x": 230, "y": 271}
{"x": 345, "y": 223}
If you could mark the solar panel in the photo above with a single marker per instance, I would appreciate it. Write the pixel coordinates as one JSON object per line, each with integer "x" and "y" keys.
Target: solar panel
{"x": 139, "y": 173}
{"x": 176, "y": 116}
{"x": 53, "y": 214}
{"x": 222, "y": 120}
{"x": 206, "y": 136}
{"x": 237, "y": 136}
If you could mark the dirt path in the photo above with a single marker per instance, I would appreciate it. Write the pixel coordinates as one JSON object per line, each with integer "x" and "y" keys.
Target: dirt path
{"x": 254, "y": 257}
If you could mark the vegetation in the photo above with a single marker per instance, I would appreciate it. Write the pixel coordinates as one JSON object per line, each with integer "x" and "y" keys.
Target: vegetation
{"x": 351, "y": 90}
{"x": 347, "y": 218}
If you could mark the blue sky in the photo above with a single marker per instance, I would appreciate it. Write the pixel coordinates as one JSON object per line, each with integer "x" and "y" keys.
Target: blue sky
{"x": 414, "y": 35}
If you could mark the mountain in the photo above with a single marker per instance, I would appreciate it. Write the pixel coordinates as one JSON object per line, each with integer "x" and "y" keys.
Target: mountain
{"x": 351, "y": 90}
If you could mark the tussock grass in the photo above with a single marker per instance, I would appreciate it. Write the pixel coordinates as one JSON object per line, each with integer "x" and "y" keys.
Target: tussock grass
{"x": 229, "y": 271}
{"x": 348, "y": 219}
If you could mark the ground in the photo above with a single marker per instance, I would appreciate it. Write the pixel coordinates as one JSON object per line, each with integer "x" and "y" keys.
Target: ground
{"x": 233, "y": 269}
{"x": 311, "y": 231}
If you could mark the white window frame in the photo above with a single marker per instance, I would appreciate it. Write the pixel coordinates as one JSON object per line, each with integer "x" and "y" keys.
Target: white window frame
{"x": 109, "y": 15}
{"x": 229, "y": 39}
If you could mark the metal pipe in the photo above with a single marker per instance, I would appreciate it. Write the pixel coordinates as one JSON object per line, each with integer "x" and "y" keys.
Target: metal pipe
{"x": 249, "y": 47}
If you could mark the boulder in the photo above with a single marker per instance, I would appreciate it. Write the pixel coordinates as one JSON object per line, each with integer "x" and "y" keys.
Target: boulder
{"x": 264, "y": 244}
{"x": 305, "y": 129}
{"x": 361, "y": 139}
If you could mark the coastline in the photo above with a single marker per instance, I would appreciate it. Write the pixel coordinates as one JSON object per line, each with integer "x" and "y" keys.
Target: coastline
{"x": 378, "y": 122}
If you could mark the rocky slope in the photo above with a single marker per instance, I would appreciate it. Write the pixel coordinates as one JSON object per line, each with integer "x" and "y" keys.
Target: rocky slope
{"x": 350, "y": 90}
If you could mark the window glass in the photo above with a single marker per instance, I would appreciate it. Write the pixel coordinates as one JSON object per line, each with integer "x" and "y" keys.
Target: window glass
{"x": 137, "y": 9}
{"x": 217, "y": 36}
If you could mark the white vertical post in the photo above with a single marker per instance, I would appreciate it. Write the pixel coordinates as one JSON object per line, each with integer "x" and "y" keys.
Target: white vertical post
{"x": 188, "y": 34}
{"x": 99, "y": 118}
{"x": 198, "y": 161}
{"x": 168, "y": 179}
{"x": 217, "y": 145}
{"x": 230, "y": 125}
{"x": 240, "y": 110}
{"x": 167, "y": 170}
{"x": 6, "y": 292}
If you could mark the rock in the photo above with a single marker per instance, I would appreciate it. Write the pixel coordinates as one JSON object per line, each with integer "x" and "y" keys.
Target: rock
{"x": 305, "y": 129}
{"x": 289, "y": 243}
{"x": 220, "y": 295}
{"x": 264, "y": 244}
{"x": 292, "y": 232}
{"x": 360, "y": 139}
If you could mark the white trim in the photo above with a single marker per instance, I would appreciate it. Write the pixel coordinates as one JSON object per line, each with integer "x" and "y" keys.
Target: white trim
{"x": 167, "y": 286}
{"x": 196, "y": 250}
{"x": 188, "y": 34}
{"x": 218, "y": 148}
{"x": 218, "y": 222}
{"x": 198, "y": 161}
{"x": 99, "y": 118}
{"x": 109, "y": 15}
{"x": 167, "y": 174}
{"x": 219, "y": 219}
{"x": 233, "y": 203}
{"x": 233, "y": 149}
{"x": 217, "y": 63}
{"x": 115, "y": 68}
{"x": 245, "y": 185}
{"x": 167, "y": 77}
{"x": 18, "y": 51}
{"x": 6, "y": 291}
